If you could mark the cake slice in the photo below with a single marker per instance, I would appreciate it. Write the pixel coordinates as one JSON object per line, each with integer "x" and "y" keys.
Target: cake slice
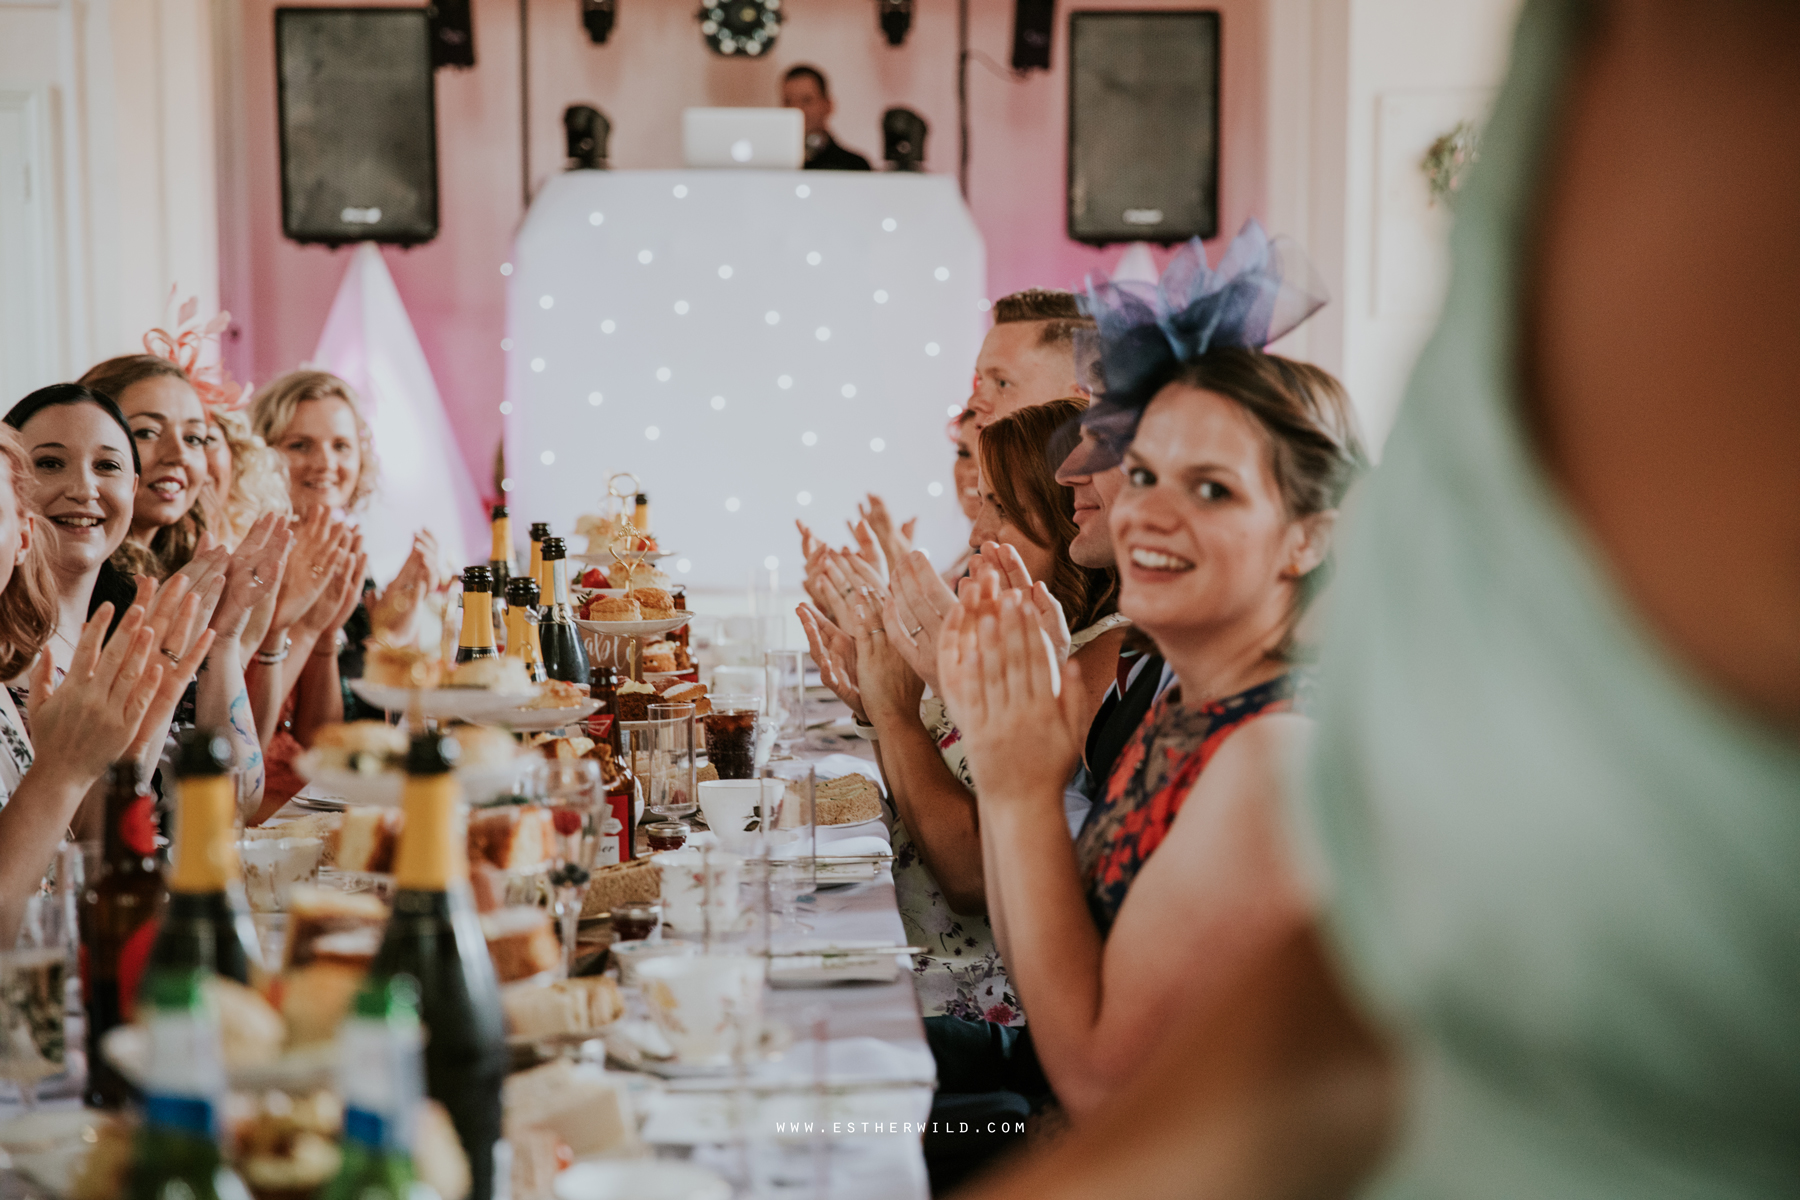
{"x": 365, "y": 840}
{"x": 513, "y": 837}
{"x": 521, "y": 942}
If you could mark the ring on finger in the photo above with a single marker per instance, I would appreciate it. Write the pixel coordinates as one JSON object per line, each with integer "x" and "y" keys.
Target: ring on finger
{"x": 169, "y": 654}
{"x": 255, "y": 579}
{"x": 914, "y": 632}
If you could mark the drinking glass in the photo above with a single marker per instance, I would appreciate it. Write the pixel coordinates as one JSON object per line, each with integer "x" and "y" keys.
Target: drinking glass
{"x": 674, "y": 754}
{"x": 731, "y": 734}
{"x": 34, "y": 997}
{"x": 792, "y": 867}
{"x": 784, "y": 674}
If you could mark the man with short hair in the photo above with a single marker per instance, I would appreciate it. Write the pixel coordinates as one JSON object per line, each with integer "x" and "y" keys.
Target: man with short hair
{"x": 804, "y": 88}
{"x": 1028, "y": 357}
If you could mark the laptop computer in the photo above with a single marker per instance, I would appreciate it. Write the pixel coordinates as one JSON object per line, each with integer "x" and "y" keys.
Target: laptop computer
{"x": 763, "y": 138}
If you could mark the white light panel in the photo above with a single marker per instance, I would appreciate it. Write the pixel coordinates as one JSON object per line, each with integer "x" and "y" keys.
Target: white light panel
{"x": 754, "y": 350}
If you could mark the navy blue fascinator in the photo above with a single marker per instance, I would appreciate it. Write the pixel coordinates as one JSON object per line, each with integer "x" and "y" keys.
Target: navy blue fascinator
{"x": 1261, "y": 289}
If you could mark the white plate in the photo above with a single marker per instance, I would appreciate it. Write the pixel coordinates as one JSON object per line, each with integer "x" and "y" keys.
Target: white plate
{"x": 461, "y": 704}
{"x": 634, "y": 628}
{"x": 640, "y": 1179}
{"x": 539, "y": 720}
{"x": 604, "y": 559}
{"x": 383, "y": 790}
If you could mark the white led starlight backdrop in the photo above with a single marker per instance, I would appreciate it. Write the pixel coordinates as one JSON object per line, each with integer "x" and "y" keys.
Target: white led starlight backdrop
{"x": 755, "y": 346}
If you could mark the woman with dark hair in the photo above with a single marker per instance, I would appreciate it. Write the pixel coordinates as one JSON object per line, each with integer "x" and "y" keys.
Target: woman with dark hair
{"x": 112, "y": 703}
{"x": 89, "y": 495}
{"x": 1178, "y": 879}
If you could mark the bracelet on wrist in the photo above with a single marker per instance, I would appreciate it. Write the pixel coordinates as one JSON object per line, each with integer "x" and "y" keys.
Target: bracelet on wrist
{"x": 863, "y": 731}
{"x": 269, "y": 658}
{"x": 332, "y": 648}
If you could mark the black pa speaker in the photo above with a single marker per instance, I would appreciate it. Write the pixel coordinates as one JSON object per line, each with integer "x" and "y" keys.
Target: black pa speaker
{"x": 1143, "y": 126}
{"x": 1032, "y": 22}
{"x": 452, "y": 33}
{"x": 358, "y": 125}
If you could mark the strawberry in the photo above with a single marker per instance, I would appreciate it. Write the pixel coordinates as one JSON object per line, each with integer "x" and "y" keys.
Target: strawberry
{"x": 567, "y": 821}
{"x": 593, "y": 577}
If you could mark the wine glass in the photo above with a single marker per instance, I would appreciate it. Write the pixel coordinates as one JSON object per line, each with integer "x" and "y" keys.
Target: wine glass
{"x": 784, "y": 673}
{"x": 34, "y": 998}
{"x": 570, "y": 789}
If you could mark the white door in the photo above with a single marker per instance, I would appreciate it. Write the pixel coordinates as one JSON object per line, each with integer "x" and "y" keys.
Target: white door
{"x": 28, "y": 334}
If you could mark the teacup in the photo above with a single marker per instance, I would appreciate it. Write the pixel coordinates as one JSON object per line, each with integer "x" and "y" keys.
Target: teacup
{"x": 708, "y": 1006}
{"x": 734, "y": 811}
{"x": 686, "y": 905}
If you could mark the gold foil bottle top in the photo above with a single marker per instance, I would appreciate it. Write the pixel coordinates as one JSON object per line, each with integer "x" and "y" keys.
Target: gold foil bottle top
{"x": 433, "y": 852}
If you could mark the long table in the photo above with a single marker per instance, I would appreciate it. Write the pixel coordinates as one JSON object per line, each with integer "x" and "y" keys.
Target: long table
{"x": 851, "y": 1130}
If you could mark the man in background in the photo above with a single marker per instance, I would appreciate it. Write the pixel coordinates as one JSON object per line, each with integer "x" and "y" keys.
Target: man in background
{"x": 1028, "y": 357}
{"x": 804, "y": 88}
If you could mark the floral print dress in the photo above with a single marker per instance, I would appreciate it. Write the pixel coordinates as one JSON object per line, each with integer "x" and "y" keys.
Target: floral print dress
{"x": 960, "y": 974}
{"x": 1151, "y": 780}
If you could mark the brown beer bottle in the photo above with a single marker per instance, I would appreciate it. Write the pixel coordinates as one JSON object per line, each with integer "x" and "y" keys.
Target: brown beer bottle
{"x": 617, "y": 828}
{"x": 118, "y": 915}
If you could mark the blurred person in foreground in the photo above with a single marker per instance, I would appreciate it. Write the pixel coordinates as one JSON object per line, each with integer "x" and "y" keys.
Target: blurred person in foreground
{"x": 1550, "y": 815}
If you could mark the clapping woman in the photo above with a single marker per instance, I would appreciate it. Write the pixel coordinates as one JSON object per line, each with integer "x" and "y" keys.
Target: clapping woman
{"x": 1178, "y": 879}
{"x": 113, "y": 701}
{"x": 312, "y": 420}
{"x": 167, "y": 534}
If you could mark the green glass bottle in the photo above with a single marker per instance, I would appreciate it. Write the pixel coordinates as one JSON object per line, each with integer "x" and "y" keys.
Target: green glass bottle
{"x": 206, "y": 925}
{"x": 435, "y": 937}
{"x": 381, "y": 1078}
{"x": 176, "y": 1154}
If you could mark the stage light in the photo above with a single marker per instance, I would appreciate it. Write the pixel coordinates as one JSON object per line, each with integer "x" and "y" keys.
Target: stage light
{"x": 586, "y": 130}
{"x": 741, "y": 26}
{"x": 598, "y": 16}
{"x": 903, "y": 136}
{"x": 895, "y": 18}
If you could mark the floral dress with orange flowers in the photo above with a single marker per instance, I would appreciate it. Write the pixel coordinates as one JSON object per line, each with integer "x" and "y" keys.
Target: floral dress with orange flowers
{"x": 1151, "y": 780}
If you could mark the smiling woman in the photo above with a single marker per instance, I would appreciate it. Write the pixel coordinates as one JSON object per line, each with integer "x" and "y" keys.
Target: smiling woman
{"x": 168, "y": 431}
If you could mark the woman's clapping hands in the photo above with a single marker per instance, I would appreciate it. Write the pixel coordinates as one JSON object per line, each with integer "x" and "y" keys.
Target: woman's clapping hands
{"x": 1017, "y": 706}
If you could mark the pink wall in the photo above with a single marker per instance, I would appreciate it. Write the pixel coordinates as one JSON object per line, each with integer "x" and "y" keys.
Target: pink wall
{"x": 655, "y": 65}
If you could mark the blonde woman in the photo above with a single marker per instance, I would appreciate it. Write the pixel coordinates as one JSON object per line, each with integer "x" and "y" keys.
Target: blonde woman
{"x": 314, "y": 422}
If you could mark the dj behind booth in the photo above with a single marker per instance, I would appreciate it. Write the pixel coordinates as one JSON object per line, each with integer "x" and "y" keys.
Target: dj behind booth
{"x": 755, "y": 344}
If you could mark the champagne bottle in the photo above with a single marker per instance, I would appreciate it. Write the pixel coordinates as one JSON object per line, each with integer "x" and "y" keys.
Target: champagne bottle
{"x": 640, "y": 514}
{"x": 501, "y": 569}
{"x": 522, "y": 627}
{"x": 118, "y": 924}
{"x": 619, "y": 825}
{"x": 206, "y": 926}
{"x": 477, "y": 640}
{"x": 175, "y": 1152}
{"x": 381, "y": 1079}
{"x": 565, "y": 657}
{"x": 435, "y": 938}
{"x": 539, "y": 531}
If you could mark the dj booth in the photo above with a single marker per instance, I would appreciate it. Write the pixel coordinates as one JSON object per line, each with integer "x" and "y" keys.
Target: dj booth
{"x": 754, "y": 346}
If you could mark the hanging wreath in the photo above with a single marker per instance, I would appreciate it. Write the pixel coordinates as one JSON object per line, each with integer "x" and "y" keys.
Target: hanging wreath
{"x": 1446, "y": 164}
{"x": 741, "y": 26}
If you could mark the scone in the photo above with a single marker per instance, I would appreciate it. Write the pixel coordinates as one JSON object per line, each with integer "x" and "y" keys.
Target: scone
{"x": 655, "y": 602}
{"x": 513, "y": 837}
{"x": 614, "y": 608}
{"x": 636, "y": 575}
{"x": 565, "y": 1006}
{"x": 484, "y": 746}
{"x": 494, "y": 674}
{"x": 521, "y": 942}
{"x": 689, "y": 693}
{"x": 365, "y": 840}
{"x": 402, "y": 666}
{"x": 557, "y": 693}
{"x": 637, "y": 881}
{"x": 367, "y": 747}
{"x": 658, "y": 656}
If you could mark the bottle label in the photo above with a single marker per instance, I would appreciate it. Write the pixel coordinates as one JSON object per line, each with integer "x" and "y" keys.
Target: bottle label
{"x": 137, "y": 826}
{"x": 433, "y": 851}
{"x": 206, "y": 858}
{"x": 478, "y": 620}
